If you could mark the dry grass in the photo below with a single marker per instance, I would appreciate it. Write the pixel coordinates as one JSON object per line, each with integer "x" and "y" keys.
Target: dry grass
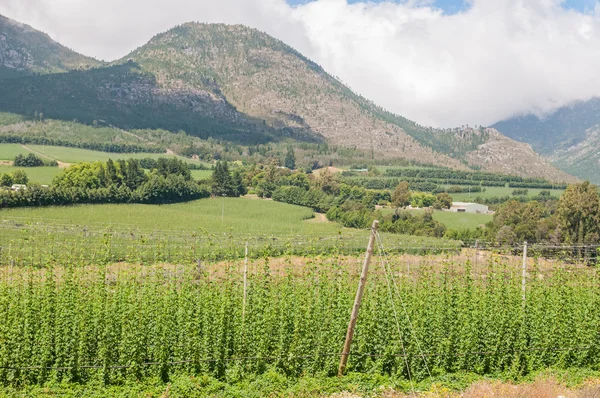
{"x": 485, "y": 389}
{"x": 545, "y": 388}
{"x": 405, "y": 265}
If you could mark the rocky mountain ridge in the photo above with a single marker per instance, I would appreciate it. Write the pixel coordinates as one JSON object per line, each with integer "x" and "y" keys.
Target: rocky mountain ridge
{"x": 568, "y": 137}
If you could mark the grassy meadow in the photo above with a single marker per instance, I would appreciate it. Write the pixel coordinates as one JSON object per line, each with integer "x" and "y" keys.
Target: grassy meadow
{"x": 10, "y": 151}
{"x": 75, "y": 155}
{"x": 42, "y": 175}
{"x": 248, "y": 216}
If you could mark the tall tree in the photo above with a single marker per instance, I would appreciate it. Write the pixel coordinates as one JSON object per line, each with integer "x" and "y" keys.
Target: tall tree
{"x": 222, "y": 184}
{"x": 579, "y": 214}
{"x": 111, "y": 173}
{"x": 401, "y": 195}
{"x": 134, "y": 174}
{"x": 290, "y": 158}
{"x": 238, "y": 184}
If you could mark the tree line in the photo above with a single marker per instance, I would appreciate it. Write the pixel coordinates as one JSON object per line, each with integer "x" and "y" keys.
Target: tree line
{"x": 112, "y": 182}
{"x": 32, "y": 160}
{"x": 93, "y": 146}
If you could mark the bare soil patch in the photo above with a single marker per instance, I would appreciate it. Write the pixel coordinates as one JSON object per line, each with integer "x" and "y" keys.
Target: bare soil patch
{"x": 487, "y": 389}
{"x": 318, "y": 219}
{"x": 331, "y": 170}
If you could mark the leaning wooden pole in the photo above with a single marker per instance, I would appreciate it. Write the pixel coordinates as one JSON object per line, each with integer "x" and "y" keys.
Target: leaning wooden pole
{"x": 524, "y": 273}
{"x": 358, "y": 300}
{"x": 245, "y": 282}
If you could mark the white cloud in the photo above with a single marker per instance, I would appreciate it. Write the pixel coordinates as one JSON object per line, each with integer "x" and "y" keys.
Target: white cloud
{"x": 497, "y": 59}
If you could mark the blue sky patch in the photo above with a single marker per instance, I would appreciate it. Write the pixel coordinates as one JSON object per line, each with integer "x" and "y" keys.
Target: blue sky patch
{"x": 454, "y": 6}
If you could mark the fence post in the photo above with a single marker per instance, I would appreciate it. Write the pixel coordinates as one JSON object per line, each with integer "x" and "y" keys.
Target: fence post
{"x": 524, "y": 274}
{"x": 245, "y": 282}
{"x": 357, "y": 301}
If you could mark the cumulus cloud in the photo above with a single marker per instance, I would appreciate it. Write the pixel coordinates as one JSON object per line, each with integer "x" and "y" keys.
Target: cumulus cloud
{"x": 494, "y": 60}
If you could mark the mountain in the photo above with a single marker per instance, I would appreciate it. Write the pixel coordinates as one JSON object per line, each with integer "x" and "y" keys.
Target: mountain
{"x": 24, "y": 50}
{"x": 583, "y": 158}
{"x": 238, "y": 84}
{"x": 568, "y": 137}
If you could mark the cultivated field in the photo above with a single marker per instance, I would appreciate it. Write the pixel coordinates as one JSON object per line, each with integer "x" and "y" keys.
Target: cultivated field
{"x": 42, "y": 175}
{"x": 452, "y": 220}
{"x": 109, "y": 324}
{"x": 75, "y": 155}
{"x": 10, "y": 151}
{"x": 499, "y": 191}
{"x": 66, "y": 156}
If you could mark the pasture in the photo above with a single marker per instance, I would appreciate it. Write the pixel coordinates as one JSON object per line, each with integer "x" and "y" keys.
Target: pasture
{"x": 10, "y": 151}
{"x": 76, "y": 155}
{"x": 42, "y": 175}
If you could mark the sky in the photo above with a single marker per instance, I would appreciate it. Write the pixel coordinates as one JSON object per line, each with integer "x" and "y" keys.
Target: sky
{"x": 442, "y": 63}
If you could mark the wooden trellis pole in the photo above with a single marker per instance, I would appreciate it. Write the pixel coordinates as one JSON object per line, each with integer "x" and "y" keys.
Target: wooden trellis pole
{"x": 358, "y": 300}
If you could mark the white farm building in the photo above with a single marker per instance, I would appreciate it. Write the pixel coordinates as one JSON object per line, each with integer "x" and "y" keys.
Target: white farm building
{"x": 473, "y": 208}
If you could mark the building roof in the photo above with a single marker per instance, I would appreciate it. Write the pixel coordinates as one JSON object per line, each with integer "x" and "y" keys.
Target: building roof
{"x": 465, "y": 204}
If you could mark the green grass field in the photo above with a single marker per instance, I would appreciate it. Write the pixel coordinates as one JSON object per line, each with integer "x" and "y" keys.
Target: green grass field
{"x": 461, "y": 220}
{"x": 10, "y": 151}
{"x": 240, "y": 216}
{"x": 42, "y": 175}
{"x": 76, "y": 155}
{"x": 455, "y": 220}
{"x": 201, "y": 174}
{"x": 245, "y": 215}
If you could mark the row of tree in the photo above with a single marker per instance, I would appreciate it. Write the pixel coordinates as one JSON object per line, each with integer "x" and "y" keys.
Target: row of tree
{"x": 32, "y": 160}
{"x": 111, "y": 182}
{"x": 7, "y": 180}
{"x": 111, "y": 147}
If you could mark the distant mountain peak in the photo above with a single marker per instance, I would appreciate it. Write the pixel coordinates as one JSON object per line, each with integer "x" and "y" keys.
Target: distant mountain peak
{"x": 567, "y": 136}
{"x": 24, "y": 50}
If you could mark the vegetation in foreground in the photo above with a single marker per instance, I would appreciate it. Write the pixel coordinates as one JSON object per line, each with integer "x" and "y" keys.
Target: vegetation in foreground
{"x": 110, "y": 325}
{"x": 572, "y": 383}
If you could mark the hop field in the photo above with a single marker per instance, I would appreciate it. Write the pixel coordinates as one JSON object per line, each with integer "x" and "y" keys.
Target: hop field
{"x": 68, "y": 320}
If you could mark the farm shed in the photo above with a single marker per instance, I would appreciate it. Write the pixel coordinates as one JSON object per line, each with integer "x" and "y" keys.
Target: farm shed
{"x": 473, "y": 208}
